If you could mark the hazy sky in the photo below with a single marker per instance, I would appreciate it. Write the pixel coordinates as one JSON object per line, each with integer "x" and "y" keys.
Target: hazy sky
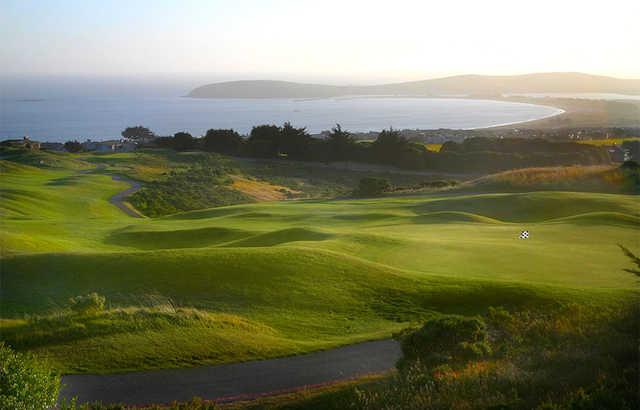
{"x": 340, "y": 41}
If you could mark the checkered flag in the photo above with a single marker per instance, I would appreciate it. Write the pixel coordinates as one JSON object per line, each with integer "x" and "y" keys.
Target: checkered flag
{"x": 524, "y": 235}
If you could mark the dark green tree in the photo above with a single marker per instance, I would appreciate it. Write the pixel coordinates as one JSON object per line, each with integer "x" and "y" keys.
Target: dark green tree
{"x": 342, "y": 145}
{"x": 264, "y": 141}
{"x": 389, "y": 147}
{"x": 294, "y": 142}
{"x": 222, "y": 141}
{"x": 72, "y": 146}
{"x": 183, "y": 141}
{"x": 137, "y": 133}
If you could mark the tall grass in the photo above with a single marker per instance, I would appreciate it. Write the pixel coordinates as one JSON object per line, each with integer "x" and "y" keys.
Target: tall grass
{"x": 596, "y": 178}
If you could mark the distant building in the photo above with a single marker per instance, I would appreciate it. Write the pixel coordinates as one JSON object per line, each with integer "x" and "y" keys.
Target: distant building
{"x": 97, "y": 146}
{"x": 24, "y": 143}
{"x": 109, "y": 146}
{"x": 147, "y": 140}
{"x": 124, "y": 146}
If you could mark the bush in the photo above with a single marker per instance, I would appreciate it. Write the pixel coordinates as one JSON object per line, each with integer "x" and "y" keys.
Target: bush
{"x": 73, "y": 146}
{"x": 26, "y": 383}
{"x": 183, "y": 141}
{"x": 203, "y": 185}
{"x": 445, "y": 339}
{"x": 223, "y": 141}
{"x": 87, "y": 304}
{"x": 371, "y": 186}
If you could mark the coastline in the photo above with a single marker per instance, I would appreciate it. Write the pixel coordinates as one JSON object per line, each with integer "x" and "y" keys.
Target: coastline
{"x": 559, "y": 111}
{"x": 580, "y": 113}
{"x": 565, "y": 113}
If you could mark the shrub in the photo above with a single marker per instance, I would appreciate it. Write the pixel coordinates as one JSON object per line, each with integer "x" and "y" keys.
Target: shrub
{"x": 445, "y": 339}
{"x": 26, "y": 383}
{"x": 73, "y": 146}
{"x": 631, "y": 173}
{"x": 183, "y": 141}
{"x": 371, "y": 186}
{"x": 88, "y": 304}
{"x": 224, "y": 141}
{"x": 202, "y": 185}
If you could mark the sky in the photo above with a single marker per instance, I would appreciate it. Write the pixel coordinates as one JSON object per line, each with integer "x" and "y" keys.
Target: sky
{"x": 341, "y": 42}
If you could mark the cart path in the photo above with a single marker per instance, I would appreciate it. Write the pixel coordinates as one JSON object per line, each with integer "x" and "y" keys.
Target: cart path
{"x": 236, "y": 381}
{"x": 118, "y": 199}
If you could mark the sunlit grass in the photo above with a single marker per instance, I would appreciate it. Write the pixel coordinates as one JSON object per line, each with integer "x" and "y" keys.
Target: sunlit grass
{"x": 608, "y": 141}
{"x": 269, "y": 279}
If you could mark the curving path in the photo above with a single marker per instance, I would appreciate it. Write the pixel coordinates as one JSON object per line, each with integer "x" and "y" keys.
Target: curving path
{"x": 231, "y": 382}
{"x": 118, "y": 199}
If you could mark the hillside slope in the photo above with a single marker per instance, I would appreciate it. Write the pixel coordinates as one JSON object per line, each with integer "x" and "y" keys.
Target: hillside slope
{"x": 270, "y": 279}
{"x": 455, "y": 85}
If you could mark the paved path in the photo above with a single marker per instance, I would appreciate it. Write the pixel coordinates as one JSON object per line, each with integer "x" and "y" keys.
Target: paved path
{"x": 234, "y": 381}
{"x": 118, "y": 199}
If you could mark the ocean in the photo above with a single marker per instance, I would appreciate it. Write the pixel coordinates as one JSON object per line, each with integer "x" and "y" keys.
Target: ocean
{"x": 52, "y": 111}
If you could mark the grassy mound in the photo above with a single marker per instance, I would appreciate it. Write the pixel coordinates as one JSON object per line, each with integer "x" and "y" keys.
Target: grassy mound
{"x": 452, "y": 216}
{"x": 282, "y": 237}
{"x": 602, "y": 218}
{"x": 151, "y": 337}
{"x": 531, "y": 206}
{"x": 572, "y": 178}
{"x": 314, "y": 300}
{"x": 293, "y": 276}
{"x": 146, "y": 238}
{"x": 43, "y": 159}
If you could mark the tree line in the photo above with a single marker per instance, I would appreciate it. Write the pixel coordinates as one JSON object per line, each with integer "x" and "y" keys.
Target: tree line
{"x": 479, "y": 154}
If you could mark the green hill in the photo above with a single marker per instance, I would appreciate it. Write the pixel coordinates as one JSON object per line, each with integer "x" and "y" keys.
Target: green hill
{"x": 456, "y": 85}
{"x": 268, "y": 279}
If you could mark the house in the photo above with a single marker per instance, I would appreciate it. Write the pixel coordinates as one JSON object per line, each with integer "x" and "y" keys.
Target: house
{"x": 24, "y": 143}
{"x": 109, "y": 146}
{"x": 98, "y": 146}
{"x": 124, "y": 146}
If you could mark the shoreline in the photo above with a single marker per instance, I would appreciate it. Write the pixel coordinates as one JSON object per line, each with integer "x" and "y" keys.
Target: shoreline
{"x": 430, "y": 114}
{"x": 567, "y": 113}
{"x": 559, "y": 111}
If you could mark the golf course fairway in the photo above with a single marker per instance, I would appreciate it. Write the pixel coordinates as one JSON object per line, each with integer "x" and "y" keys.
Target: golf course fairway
{"x": 273, "y": 279}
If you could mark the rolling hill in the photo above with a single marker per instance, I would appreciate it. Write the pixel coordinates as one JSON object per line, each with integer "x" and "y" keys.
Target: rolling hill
{"x": 278, "y": 278}
{"x": 469, "y": 85}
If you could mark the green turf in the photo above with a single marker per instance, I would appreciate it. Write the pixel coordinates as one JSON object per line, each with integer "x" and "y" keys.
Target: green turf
{"x": 268, "y": 279}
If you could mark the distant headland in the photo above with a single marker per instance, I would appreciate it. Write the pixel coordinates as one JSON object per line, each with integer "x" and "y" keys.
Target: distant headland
{"x": 479, "y": 86}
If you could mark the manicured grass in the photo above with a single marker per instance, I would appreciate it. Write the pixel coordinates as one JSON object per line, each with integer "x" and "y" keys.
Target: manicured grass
{"x": 269, "y": 279}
